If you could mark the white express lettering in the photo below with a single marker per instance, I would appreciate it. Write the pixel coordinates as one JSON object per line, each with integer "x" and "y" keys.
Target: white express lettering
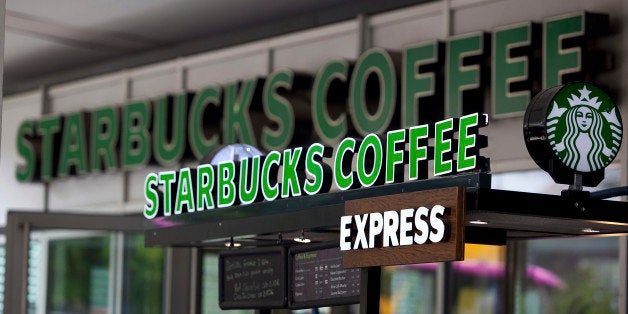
{"x": 394, "y": 228}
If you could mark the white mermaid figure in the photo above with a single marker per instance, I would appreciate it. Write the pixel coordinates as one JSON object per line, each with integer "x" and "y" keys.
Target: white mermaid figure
{"x": 583, "y": 133}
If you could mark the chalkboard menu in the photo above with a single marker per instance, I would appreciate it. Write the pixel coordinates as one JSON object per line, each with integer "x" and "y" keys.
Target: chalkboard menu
{"x": 252, "y": 278}
{"x": 318, "y": 279}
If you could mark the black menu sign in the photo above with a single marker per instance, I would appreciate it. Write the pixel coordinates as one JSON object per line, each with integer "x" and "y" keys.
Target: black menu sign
{"x": 252, "y": 278}
{"x": 318, "y": 278}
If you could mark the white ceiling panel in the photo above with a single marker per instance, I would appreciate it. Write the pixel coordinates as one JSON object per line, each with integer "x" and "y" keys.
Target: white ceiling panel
{"x": 82, "y": 13}
{"x": 52, "y": 41}
{"x": 26, "y": 56}
{"x": 164, "y": 20}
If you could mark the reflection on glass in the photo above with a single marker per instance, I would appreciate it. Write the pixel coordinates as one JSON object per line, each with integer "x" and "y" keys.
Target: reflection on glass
{"x": 142, "y": 277}
{"x": 585, "y": 274}
{"x": 408, "y": 289}
{"x": 476, "y": 284}
{"x": 3, "y": 260}
{"x": 78, "y": 275}
{"x": 34, "y": 275}
{"x": 565, "y": 275}
{"x": 478, "y": 280}
{"x": 209, "y": 301}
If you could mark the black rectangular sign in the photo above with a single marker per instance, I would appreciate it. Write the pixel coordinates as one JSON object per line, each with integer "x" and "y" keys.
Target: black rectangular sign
{"x": 252, "y": 278}
{"x": 318, "y": 278}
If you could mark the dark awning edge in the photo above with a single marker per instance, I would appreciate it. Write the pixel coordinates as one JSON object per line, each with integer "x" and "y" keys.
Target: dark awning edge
{"x": 492, "y": 216}
{"x": 303, "y": 212}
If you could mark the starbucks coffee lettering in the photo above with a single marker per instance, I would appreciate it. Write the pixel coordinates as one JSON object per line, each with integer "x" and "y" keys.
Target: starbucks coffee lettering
{"x": 379, "y": 91}
{"x": 376, "y": 160}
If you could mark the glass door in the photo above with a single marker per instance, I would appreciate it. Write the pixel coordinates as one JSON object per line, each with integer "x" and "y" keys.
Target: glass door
{"x": 93, "y": 272}
{"x": 67, "y": 263}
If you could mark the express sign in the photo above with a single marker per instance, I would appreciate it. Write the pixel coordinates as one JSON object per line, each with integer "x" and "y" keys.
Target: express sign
{"x": 416, "y": 227}
{"x": 407, "y": 226}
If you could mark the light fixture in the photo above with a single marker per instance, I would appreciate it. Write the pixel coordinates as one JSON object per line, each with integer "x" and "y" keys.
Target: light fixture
{"x": 302, "y": 238}
{"x": 230, "y": 243}
{"x": 478, "y": 222}
{"x": 590, "y": 230}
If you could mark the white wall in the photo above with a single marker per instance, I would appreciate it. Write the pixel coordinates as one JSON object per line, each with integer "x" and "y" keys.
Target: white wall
{"x": 15, "y": 195}
{"x": 92, "y": 193}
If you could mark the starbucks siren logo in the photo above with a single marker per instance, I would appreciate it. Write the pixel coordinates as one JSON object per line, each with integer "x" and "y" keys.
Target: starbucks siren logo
{"x": 584, "y": 127}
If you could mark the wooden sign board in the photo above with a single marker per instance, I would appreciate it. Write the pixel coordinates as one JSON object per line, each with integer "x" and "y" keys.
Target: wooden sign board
{"x": 439, "y": 209}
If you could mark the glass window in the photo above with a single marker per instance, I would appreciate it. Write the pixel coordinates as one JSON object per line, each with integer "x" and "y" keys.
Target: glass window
{"x": 476, "y": 284}
{"x": 576, "y": 275}
{"x": 565, "y": 275}
{"x": 3, "y": 260}
{"x": 78, "y": 275}
{"x": 93, "y": 272}
{"x": 478, "y": 280}
{"x": 143, "y": 277}
{"x": 408, "y": 289}
{"x": 209, "y": 286}
{"x": 34, "y": 280}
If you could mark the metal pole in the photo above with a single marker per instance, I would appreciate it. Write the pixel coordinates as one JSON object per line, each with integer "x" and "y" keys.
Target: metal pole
{"x": 2, "y": 14}
{"x": 24, "y": 272}
{"x": 443, "y": 288}
{"x": 16, "y": 267}
{"x": 623, "y": 241}
{"x": 196, "y": 275}
{"x": 364, "y": 33}
{"x": 179, "y": 280}
{"x": 623, "y": 274}
{"x": 515, "y": 275}
{"x": 370, "y": 281}
{"x": 447, "y": 18}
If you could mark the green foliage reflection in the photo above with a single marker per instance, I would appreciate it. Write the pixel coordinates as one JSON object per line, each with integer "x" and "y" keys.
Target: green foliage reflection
{"x": 143, "y": 277}
{"x": 75, "y": 275}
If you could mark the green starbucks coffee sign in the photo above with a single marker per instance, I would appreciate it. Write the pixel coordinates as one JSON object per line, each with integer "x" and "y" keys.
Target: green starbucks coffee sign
{"x": 379, "y": 91}
{"x": 573, "y": 129}
{"x": 376, "y": 159}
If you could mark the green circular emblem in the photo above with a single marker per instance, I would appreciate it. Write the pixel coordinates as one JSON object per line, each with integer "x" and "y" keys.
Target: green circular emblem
{"x": 584, "y": 127}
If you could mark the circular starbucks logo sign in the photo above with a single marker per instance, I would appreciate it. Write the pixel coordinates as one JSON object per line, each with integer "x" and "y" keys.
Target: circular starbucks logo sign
{"x": 584, "y": 127}
{"x": 573, "y": 132}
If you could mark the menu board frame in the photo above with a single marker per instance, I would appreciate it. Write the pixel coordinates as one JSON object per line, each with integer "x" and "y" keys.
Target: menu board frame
{"x": 292, "y": 304}
{"x": 278, "y": 303}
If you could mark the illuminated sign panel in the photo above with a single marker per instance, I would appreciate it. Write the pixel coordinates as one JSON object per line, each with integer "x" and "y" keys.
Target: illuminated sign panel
{"x": 573, "y": 129}
{"x": 378, "y": 160}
